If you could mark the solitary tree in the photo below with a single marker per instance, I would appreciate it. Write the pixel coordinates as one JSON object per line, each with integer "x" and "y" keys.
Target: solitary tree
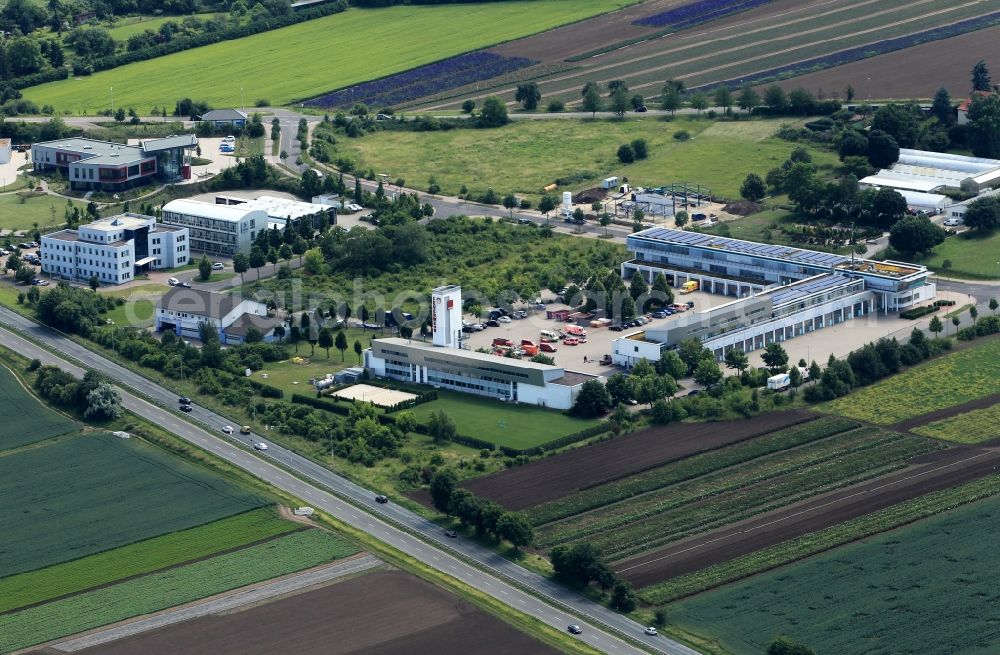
{"x": 510, "y": 203}
{"x": 493, "y": 113}
{"x": 204, "y": 269}
{"x": 699, "y": 101}
{"x": 94, "y": 282}
{"x": 545, "y": 205}
{"x": 591, "y": 99}
{"x": 942, "y": 108}
{"x": 753, "y": 188}
{"x": 775, "y": 358}
{"x": 358, "y": 350}
{"x": 341, "y": 343}
{"x": 981, "y": 80}
{"x": 737, "y": 360}
{"x": 528, "y": 95}
{"x": 619, "y": 102}
{"x": 257, "y": 259}
{"x": 241, "y": 264}
{"x": 749, "y": 99}
{"x": 516, "y": 529}
{"x": 993, "y": 305}
{"x": 326, "y": 340}
{"x": 935, "y": 326}
{"x": 723, "y": 98}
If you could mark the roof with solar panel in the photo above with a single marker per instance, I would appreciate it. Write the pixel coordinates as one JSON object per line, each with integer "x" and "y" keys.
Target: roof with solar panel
{"x": 786, "y": 253}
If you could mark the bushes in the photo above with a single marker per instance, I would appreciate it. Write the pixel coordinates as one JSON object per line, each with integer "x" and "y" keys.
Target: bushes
{"x": 917, "y": 312}
{"x": 412, "y": 402}
{"x": 266, "y": 390}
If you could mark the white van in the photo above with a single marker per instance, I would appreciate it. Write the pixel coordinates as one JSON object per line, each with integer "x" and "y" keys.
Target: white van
{"x": 548, "y": 335}
{"x": 229, "y": 139}
{"x": 172, "y": 281}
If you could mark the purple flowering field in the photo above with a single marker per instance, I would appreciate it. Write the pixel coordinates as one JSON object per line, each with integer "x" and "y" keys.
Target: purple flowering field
{"x": 698, "y": 12}
{"x": 424, "y": 81}
{"x": 864, "y": 51}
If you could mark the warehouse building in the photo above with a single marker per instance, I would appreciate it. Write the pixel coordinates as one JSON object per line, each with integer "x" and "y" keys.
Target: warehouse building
{"x": 183, "y": 311}
{"x": 282, "y": 210}
{"x": 444, "y": 363}
{"x": 216, "y": 229}
{"x": 105, "y": 165}
{"x": 923, "y": 171}
{"x": 781, "y": 292}
{"x": 114, "y": 249}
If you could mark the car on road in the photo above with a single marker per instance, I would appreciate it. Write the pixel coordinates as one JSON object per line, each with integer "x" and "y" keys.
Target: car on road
{"x": 227, "y": 429}
{"x": 184, "y": 400}
{"x": 218, "y": 266}
{"x": 525, "y": 221}
{"x": 172, "y": 281}
{"x": 260, "y": 445}
{"x": 451, "y": 534}
{"x": 32, "y": 244}
{"x": 651, "y": 631}
{"x": 503, "y": 319}
{"x": 245, "y": 429}
{"x": 24, "y": 245}
{"x": 641, "y": 109}
{"x": 184, "y": 285}
{"x": 574, "y": 629}
{"x": 185, "y": 408}
{"x": 382, "y": 500}
{"x": 952, "y": 222}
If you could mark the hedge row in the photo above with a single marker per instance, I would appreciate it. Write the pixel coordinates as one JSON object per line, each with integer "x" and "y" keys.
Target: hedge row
{"x": 179, "y": 44}
{"x": 917, "y": 312}
{"x": 266, "y": 390}
{"x": 422, "y": 398}
{"x": 35, "y": 79}
{"x": 984, "y": 327}
{"x": 944, "y": 303}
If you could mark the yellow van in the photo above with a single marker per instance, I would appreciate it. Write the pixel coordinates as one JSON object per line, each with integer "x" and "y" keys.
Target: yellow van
{"x": 689, "y": 286}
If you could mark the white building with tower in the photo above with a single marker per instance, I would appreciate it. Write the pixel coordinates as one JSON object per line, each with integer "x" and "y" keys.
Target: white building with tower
{"x": 445, "y": 364}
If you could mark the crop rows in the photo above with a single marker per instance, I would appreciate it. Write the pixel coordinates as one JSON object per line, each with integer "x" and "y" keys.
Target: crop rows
{"x": 951, "y": 380}
{"x": 744, "y": 475}
{"x": 157, "y": 591}
{"x": 688, "y": 468}
{"x": 424, "y": 81}
{"x": 817, "y": 542}
{"x": 143, "y": 557}
{"x": 971, "y": 427}
{"x": 75, "y": 497}
{"x": 696, "y": 13}
{"x": 763, "y": 497}
{"x": 25, "y": 419}
{"x": 782, "y": 44}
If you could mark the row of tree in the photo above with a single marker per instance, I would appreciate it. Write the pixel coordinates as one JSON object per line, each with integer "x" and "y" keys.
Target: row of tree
{"x": 485, "y": 516}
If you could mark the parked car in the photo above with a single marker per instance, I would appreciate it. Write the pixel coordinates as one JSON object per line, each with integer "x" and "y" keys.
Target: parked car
{"x": 571, "y": 341}
{"x": 503, "y": 319}
{"x": 501, "y": 341}
{"x": 492, "y": 323}
{"x": 382, "y": 500}
{"x": 227, "y": 429}
{"x": 172, "y": 281}
{"x": 574, "y": 629}
{"x": 616, "y": 327}
{"x": 260, "y": 445}
{"x": 245, "y": 429}
{"x": 660, "y": 314}
{"x": 641, "y": 109}
{"x": 218, "y": 266}
{"x": 547, "y": 347}
{"x": 952, "y": 222}
{"x": 353, "y": 207}
{"x": 520, "y": 314}
{"x": 24, "y": 245}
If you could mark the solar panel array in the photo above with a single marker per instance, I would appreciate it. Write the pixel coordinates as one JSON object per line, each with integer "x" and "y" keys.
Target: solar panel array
{"x": 808, "y": 287}
{"x": 787, "y": 253}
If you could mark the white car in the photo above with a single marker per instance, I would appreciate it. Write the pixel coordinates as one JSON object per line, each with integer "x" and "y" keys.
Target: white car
{"x": 503, "y": 319}
{"x": 172, "y": 281}
{"x": 260, "y": 445}
{"x": 227, "y": 429}
{"x": 218, "y": 266}
{"x": 952, "y": 222}
{"x": 352, "y": 207}
{"x": 651, "y": 631}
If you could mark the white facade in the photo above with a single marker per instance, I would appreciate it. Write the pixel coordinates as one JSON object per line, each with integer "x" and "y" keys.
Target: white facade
{"x": 184, "y": 310}
{"x": 446, "y": 316}
{"x": 216, "y": 229}
{"x": 5, "y": 151}
{"x": 111, "y": 249}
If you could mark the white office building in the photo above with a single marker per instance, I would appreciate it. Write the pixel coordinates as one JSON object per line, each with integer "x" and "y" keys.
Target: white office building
{"x": 216, "y": 229}
{"x": 183, "y": 311}
{"x": 114, "y": 249}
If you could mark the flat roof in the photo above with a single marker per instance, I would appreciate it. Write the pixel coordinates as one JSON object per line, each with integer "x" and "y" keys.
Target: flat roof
{"x": 93, "y": 151}
{"x": 209, "y": 209}
{"x": 573, "y": 378}
{"x": 465, "y": 354}
{"x": 169, "y": 142}
{"x": 198, "y": 302}
{"x": 807, "y": 287}
{"x": 738, "y": 246}
{"x": 906, "y": 182}
{"x": 223, "y": 115}
{"x": 62, "y": 235}
{"x": 121, "y": 221}
{"x": 284, "y": 208}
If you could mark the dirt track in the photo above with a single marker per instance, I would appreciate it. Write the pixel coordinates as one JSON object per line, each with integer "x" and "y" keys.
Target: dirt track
{"x": 934, "y": 472}
{"x": 381, "y": 613}
{"x": 915, "y": 72}
{"x": 560, "y": 475}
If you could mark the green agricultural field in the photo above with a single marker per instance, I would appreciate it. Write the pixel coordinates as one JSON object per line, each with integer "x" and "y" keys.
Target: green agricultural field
{"x": 357, "y": 45}
{"x": 139, "y": 558}
{"x": 972, "y": 427}
{"x": 950, "y": 380}
{"x": 527, "y": 155}
{"x": 158, "y": 591}
{"x": 25, "y": 419}
{"x": 514, "y": 426}
{"x": 970, "y": 255}
{"x": 16, "y": 215}
{"x": 77, "y": 497}
{"x": 918, "y": 589}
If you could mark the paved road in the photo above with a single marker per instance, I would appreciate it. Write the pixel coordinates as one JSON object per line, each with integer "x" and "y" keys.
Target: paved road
{"x": 504, "y": 580}
{"x": 222, "y": 603}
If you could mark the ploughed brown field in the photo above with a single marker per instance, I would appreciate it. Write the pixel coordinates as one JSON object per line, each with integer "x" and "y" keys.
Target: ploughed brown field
{"x": 381, "y": 613}
{"x": 933, "y": 472}
{"x": 554, "y": 477}
{"x": 915, "y": 72}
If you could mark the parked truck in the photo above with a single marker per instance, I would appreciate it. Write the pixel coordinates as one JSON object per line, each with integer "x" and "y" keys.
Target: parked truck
{"x": 779, "y": 382}
{"x": 689, "y": 286}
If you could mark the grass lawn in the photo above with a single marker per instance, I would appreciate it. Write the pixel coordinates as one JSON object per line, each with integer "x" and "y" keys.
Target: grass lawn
{"x": 970, "y": 254}
{"x": 17, "y": 215}
{"x": 135, "y": 289}
{"x": 971, "y": 427}
{"x": 157, "y": 591}
{"x": 138, "y": 313}
{"x": 25, "y": 419}
{"x": 515, "y": 426}
{"x": 216, "y": 276}
{"x": 524, "y": 156}
{"x": 277, "y": 65}
{"x": 126, "y": 27}
{"x": 917, "y": 589}
{"x": 284, "y": 374}
{"x": 950, "y": 380}
{"x": 142, "y": 557}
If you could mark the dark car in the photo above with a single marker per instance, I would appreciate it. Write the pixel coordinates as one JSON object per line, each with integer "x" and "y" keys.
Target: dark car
{"x": 451, "y": 534}
{"x": 574, "y": 629}
{"x": 660, "y": 314}
{"x": 184, "y": 400}
{"x": 492, "y": 323}
{"x": 690, "y": 303}
{"x": 694, "y": 392}
{"x": 641, "y": 109}
{"x": 615, "y": 328}
{"x": 185, "y": 408}
{"x": 525, "y": 221}
{"x": 381, "y": 499}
